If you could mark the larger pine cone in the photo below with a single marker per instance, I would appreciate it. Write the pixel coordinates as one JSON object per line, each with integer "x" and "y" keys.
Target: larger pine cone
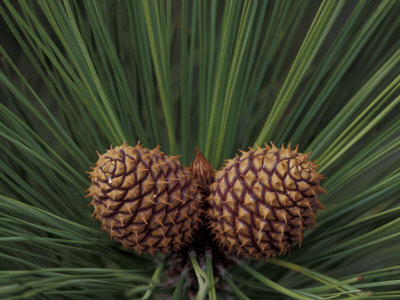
{"x": 262, "y": 201}
{"x": 145, "y": 199}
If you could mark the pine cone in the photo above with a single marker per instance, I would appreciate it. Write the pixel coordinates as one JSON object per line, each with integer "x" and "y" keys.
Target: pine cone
{"x": 262, "y": 201}
{"x": 203, "y": 173}
{"x": 202, "y": 169}
{"x": 145, "y": 199}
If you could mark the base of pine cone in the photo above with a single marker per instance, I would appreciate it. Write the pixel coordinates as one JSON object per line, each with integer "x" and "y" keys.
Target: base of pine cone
{"x": 201, "y": 247}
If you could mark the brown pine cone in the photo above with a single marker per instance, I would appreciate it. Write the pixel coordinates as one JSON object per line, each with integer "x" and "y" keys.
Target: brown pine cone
{"x": 203, "y": 173}
{"x": 145, "y": 199}
{"x": 262, "y": 201}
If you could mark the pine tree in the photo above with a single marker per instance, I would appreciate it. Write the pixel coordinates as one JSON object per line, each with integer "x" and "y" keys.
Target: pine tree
{"x": 79, "y": 76}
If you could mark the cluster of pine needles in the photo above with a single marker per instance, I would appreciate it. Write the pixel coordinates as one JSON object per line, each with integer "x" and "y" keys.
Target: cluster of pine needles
{"x": 77, "y": 76}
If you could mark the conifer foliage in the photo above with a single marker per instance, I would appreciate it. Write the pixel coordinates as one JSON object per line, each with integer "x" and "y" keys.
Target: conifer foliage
{"x": 79, "y": 76}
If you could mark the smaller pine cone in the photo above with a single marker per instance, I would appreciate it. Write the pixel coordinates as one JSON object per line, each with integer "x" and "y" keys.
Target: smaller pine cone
{"x": 262, "y": 201}
{"x": 203, "y": 173}
{"x": 145, "y": 199}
